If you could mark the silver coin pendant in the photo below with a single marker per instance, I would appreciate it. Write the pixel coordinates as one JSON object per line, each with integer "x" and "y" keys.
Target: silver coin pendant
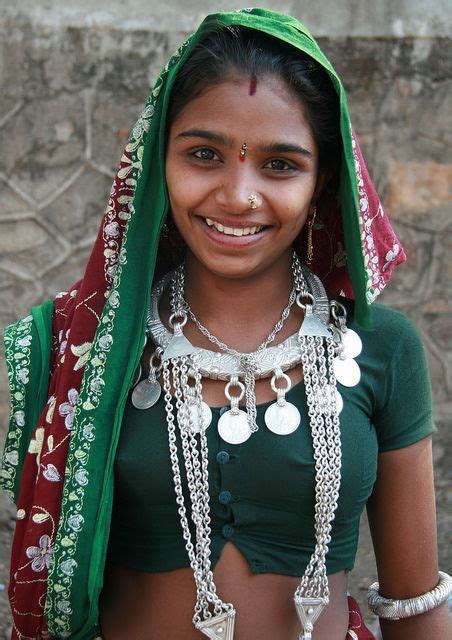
{"x": 347, "y": 371}
{"x": 339, "y": 401}
{"x": 146, "y": 394}
{"x": 282, "y": 419}
{"x": 206, "y": 416}
{"x": 233, "y": 427}
{"x": 352, "y": 344}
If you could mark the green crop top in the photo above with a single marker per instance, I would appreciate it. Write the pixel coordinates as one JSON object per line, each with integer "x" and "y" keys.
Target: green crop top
{"x": 262, "y": 491}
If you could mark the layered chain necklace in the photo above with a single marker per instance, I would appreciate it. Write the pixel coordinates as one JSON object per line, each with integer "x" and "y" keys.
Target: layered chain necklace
{"x": 326, "y": 350}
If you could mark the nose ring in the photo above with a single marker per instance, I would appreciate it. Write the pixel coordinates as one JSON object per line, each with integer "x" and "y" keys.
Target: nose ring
{"x": 252, "y": 199}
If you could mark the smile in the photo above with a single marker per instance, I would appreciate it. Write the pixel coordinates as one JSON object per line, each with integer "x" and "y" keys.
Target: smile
{"x": 233, "y": 231}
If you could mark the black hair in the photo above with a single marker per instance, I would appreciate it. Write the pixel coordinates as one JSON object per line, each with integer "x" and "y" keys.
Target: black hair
{"x": 224, "y": 53}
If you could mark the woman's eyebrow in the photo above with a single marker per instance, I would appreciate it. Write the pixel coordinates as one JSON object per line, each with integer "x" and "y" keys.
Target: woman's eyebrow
{"x": 273, "y": 147}
{"x": 286, "y": 147}
{"x": 207, "y": 135}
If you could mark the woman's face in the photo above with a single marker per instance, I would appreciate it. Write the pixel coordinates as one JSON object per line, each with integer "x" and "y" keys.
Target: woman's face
{"x": 209, "y": 180}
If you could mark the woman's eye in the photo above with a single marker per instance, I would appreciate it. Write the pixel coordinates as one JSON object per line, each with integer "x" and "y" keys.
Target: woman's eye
{"x": 205, "y": 154}
{"x": 279, "y": 165}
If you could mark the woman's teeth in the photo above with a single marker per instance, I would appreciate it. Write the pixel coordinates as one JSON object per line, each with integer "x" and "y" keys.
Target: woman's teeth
{"x": 230, "y": 231}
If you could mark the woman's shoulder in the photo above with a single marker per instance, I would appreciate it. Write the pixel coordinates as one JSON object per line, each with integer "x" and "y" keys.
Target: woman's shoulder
{"x": 391, "y": 334}
{"x": 384, "y": 320}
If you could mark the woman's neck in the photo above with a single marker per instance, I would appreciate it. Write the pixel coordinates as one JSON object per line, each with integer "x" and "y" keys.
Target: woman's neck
{"x": 240, "y": 311}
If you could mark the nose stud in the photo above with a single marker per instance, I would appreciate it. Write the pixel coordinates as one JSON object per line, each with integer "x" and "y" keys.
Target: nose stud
{"x": 253, "y": 200}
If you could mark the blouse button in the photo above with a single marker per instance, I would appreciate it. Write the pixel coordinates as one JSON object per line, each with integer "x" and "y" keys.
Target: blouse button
{"x": 222, "y": 457}
{"x": 225, "y": 497}
{"x": 228, "y": 531}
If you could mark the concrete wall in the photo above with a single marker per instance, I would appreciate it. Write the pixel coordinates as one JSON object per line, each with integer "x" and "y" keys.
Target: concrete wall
{"x": 73, "y": 79}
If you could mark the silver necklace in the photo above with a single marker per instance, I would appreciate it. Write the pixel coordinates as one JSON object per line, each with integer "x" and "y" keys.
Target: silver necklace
{"x": 212, "y": 616}
{"x": 320, "y": 347}
{"x": 235, "y": 426}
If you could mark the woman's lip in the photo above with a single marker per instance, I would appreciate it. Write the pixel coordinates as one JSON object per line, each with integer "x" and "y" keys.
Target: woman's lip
{"x": 232, "y": 241}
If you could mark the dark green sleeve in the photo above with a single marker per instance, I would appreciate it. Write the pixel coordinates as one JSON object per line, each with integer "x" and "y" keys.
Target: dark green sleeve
{"x": 404, "y": 407}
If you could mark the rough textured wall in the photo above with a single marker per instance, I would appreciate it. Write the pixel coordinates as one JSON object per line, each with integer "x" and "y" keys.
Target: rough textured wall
{"x": 72, "y": 86}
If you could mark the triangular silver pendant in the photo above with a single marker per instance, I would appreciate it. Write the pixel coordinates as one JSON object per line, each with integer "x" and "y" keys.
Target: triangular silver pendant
{"x": 178, "y": 346}
{"x": 312, "y": 326}
{"x": 308, "y": 610}
{"x": 219, "y": 627}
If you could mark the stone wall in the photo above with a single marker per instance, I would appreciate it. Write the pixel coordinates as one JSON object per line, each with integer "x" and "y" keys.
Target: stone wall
{"x": 73, "y": 81}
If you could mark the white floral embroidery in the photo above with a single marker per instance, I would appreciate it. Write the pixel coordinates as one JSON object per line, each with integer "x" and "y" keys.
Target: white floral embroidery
{"x": 81, "y": 476}
{"x": 88, "y": 432}
{"x": 66, "y": 409}
{"x": 22, "y": 374}
{"x": 68, "y": 566}
{"x": 35, "y": 445}
{"x": 82, "y": 352}
{"x": 391, "y": 256}
{"x": 51, "y": 403}
{"x": 144, "y": 122}
{"x": 112, "y": 229}
{"x": 96, "y": 384}
{"x": 24, "y": 342}
{"x": 114, "y": 299}
{"x": 12, "y": 457}
{"x": 375, "y": 283}
{"x": 105, "y": 342}
{"x": 19, "y": 418}
{"x": 63, "y": 342}
{"x": 18, "y": 342}
{"x": 41, "y": 555}
{"x": 64, "y": 606}
{"x": 76, "y": 521}
{"x": 51, "y": 473}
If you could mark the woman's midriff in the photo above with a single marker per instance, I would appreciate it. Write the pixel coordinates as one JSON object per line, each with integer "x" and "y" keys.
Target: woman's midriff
{"x": 159, "y": 606}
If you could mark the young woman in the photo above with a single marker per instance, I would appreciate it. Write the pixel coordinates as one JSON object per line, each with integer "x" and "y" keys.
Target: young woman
{"x": 216, "y": 488}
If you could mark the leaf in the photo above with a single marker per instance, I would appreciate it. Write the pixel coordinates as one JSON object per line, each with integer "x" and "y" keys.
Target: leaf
{"x": 67, "y": 542}
{"x": 81, "y": 349}
{"x": 40, "y": 517}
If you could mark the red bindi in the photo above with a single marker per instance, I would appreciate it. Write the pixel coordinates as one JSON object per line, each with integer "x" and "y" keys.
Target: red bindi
{"x": 253, "y": 85}
{"x": 242, "y": 154}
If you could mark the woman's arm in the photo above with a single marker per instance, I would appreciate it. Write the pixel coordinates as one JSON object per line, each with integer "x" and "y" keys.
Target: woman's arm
{"x": 402, "y": 519}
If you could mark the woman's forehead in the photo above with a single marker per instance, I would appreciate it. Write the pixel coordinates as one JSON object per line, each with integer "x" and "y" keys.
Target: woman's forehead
{"x": 258, "y": 109}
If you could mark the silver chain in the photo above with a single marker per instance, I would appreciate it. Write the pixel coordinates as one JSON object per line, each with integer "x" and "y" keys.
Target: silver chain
{"x": 298, "y": 286}
{"x": 247, "y": 360}
{"x": 325, "y": 431}
{"x": 196, "y": 466}
{"x": 317, "y": 355}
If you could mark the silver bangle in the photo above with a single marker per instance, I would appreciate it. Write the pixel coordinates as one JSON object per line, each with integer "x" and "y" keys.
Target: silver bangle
{"x": 397, "y": 609}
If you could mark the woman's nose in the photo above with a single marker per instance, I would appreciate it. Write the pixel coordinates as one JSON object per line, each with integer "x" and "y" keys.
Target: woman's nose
{"x": 237, "y": 193}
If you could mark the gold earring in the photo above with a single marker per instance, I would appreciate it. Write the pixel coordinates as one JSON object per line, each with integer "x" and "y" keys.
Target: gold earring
{"x": 310, "y": 250}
